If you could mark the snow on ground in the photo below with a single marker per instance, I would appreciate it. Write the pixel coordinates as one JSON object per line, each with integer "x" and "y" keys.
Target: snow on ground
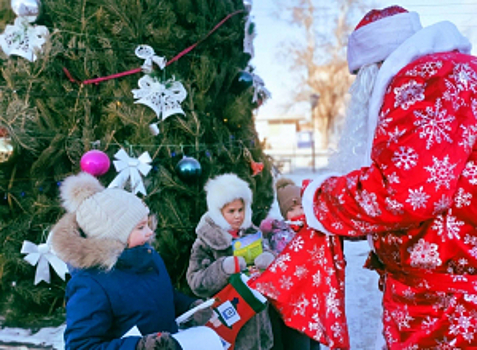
{"x": 363, "y": 305}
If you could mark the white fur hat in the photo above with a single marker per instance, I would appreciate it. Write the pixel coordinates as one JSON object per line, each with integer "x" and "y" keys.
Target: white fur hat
{"x": 378, "y": 34}
{"x": 110, "y": 213}
{"x": 224, "y": 189}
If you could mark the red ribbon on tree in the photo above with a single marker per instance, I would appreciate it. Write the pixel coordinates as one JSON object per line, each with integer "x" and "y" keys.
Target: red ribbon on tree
{"x": 138, "y": 70}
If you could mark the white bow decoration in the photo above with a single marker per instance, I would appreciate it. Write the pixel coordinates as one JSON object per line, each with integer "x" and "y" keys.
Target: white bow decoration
{"x": 42, "y": 255}
{"x": 131, "y": 168}
{"x": 147, "y": 53}
{"x": 164, "y": 99}
{"x": 23, "y": 39}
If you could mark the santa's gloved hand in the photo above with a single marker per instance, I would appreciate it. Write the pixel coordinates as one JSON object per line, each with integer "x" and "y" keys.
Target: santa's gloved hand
{"x": 158, "y": 341}
{"x": 233, "y": 264}
{"x": 264, "y": 260}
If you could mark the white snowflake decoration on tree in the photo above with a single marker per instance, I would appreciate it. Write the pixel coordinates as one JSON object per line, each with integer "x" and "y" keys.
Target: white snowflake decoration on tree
{"x": 164, "y": 99}
{"x": 23, "y": 39}
{"x": 434, "y": 124}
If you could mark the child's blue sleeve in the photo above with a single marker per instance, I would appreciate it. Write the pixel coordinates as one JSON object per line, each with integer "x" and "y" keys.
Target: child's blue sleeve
{"x": 89, "y": 318}
{"x": 182, "y": 302}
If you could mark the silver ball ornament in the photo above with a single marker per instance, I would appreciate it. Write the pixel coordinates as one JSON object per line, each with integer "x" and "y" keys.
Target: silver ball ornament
{"x": 29, "y": 9}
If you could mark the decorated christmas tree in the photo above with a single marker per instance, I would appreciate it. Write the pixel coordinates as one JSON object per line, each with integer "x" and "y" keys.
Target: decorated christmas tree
{"x": 162, "y": 88}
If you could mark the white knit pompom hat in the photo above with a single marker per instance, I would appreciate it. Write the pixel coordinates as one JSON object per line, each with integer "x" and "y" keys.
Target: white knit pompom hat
{"x": 110, "y": 213}
{"x": 378, "y": 34}
{"x": 224, "y": 189}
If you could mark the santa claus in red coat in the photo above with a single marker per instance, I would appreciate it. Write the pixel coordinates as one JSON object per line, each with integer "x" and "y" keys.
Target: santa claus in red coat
{"x": 406, "y": 176}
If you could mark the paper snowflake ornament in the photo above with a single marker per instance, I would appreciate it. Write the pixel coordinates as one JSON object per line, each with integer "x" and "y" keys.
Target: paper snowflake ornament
{"x": 259, "y": 89}
{"x": 164, "y": 99}
{"x": 131, "y": 169}
{"x": 43, "y": 256}
{"x": 147, "y": 53}
{"x": 23, "y": 39}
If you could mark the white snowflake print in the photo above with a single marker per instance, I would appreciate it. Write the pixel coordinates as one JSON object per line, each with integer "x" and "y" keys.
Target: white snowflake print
{"x": 393, "y": 206}
{"x": 462, "y": 323}
{"x": 470, "y": 172}
{"x": 337, "y": 330}
{"x": 300, "y": 305}
{"x": 320, "y": 209}
{"x": 469, "y": 134}
{"x": 317, "y": 255}
{"x": 316, "y": 279}
{"x": 411, "y": 347}
{"x": 401, "y": 317}
{"x": 442, "y": 204}
{"x": 297, "y": 244}
{"x": 408, "y": 94}
{"x": 447, "y": 345}
{"x": 447, "y": 226}
{"x": 471, "y": 240}
{"x": 286, "y": 282}
{"x": 434, "y": 124}
{"x": 368, "y": 202}
{"x": 408, "y": 294}
{"x": 425, "y": 255}
{"x": 464, "y": 77}
{"x": 395, "y": 135}
{"x": 315, "y": 301}
{"x": 337, "y": 225}
{"x": 383, "y": 122}
{"x": 280, "y": 263}
{"x": 362, "y": 226}
{"x": 417, "y": 198}
{"x": 333, "y": 303}
{"x": 268, "y": 289}
{"x": 445, "y": 301}
{"x": 452, "y": 94}
{"x": 393, "y": 178}
{"x": 316, "y": 326}
{"x": 301, "y": 272}
{"x": 352, "y": 181}
{"x": 462, "y": 198}
{"x": 405, "y": 157}
{"x": 428, "y": 324}
{"x": 441, "y": 172}
{"x": 425, "y": 70}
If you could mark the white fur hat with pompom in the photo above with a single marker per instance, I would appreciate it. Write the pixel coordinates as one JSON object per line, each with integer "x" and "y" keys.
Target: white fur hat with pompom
{"x": 102, "y": 213}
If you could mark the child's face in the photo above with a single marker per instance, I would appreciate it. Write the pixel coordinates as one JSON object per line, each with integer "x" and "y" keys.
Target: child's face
{"x": 140, "y": 234}
{"x": 296, "y": 210}
{"x": 234, "y": 213}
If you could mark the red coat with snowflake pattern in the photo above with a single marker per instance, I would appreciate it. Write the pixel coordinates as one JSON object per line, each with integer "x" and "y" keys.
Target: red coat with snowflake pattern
{"x": 418, "y": 199}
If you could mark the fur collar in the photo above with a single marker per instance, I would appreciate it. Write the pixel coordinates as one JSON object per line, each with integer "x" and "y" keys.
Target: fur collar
{"x": 80, "y": 252}
{"x": 212, "y": 234}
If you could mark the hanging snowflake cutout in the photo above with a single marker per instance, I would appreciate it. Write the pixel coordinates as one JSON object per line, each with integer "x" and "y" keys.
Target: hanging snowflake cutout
{"x": 23, "y": 39}
{"x": 165, "y": 99}
{"x": 434, "y": 124}
{"x": 408, "y": 94}
{"x": 441, "y": 172}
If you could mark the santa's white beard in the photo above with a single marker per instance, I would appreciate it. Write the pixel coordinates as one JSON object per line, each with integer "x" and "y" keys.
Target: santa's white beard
{"x": 351, "y": 153}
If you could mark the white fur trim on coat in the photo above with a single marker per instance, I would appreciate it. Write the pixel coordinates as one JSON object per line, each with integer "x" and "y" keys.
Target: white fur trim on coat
{"x": 224, "y": 189}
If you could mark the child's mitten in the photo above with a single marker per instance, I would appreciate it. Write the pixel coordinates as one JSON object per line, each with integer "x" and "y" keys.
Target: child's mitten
{"x": 264, "y": 260}
{"x": 233, "y": 264}
{"x": 158, "y": 341}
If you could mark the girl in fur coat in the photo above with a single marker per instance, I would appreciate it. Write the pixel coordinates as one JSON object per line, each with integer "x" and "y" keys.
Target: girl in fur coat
{"x": 118, "y": 281}
{"x": 212, "y": 261}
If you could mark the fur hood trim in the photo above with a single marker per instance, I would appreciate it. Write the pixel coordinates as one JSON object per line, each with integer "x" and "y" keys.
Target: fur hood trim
{"x": 224, "y": 189}
{"x": 214, "y": 236}
{"x": 80, "y": 252}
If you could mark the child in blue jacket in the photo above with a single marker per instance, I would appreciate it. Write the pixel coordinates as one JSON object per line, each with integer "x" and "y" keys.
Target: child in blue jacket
{"x": 118, "y": 281}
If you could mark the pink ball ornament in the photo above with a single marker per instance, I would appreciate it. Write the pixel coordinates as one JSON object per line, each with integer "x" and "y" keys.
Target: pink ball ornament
{"x": 95, "y": 163}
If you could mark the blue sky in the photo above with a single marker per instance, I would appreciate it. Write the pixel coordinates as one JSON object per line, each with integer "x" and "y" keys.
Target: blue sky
{"x": 271, "y": 32}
